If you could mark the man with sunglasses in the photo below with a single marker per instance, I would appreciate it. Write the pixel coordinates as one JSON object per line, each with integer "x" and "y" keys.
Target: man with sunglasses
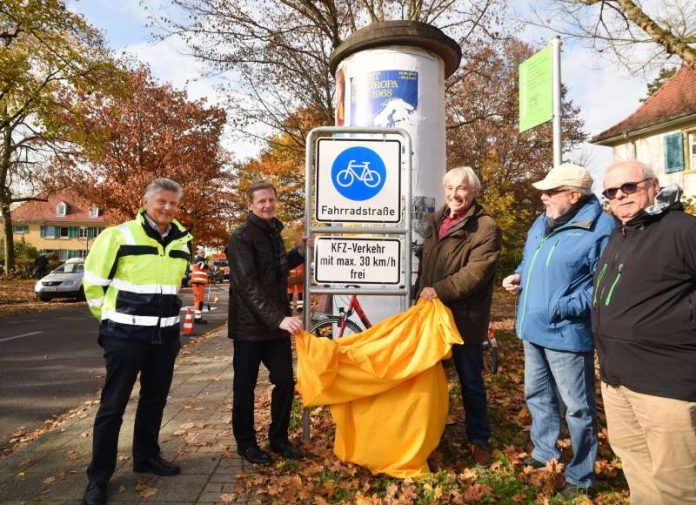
{"x": 553, "y": 320}
{"x": 644, "y": 322}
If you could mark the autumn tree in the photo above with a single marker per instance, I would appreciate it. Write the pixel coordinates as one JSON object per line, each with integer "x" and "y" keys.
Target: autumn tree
{"x": 482, "y": 131}
{"x": 635, "y": 33}
{"x": 282, "y": 162}
{"x": 663, "y": 76}
{"x": 44, "y": 48}
{"x": 277, "y": 52}
{"x": 154, "y": 131}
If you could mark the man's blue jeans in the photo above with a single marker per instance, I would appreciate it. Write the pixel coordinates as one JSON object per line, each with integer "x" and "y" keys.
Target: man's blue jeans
{"x": 468, "y": 360}
{"x": 552, "y": 377}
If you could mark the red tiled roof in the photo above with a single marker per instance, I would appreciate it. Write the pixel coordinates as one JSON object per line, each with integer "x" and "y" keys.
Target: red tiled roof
{"x": 675, "y": 99}
{"x": 77, "y": 211}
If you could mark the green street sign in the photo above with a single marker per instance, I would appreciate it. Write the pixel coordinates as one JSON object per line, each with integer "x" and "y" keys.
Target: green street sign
{"x": 536, "y": 89}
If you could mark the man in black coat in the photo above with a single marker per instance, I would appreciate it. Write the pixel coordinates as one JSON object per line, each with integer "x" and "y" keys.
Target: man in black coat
{"x": 260, "y": 323}
{"x": 644, "y": 322}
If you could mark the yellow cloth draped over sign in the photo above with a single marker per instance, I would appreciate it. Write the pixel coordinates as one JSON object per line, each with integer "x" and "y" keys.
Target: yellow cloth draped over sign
{"x": 386, "y": 388}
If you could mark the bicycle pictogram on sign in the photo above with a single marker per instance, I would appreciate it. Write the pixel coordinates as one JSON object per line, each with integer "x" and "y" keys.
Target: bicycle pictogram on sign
{"x": 349, "y": 175}
{"x": 358, "y": 173}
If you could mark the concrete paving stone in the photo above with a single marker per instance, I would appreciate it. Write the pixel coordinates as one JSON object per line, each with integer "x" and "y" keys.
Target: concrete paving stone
{"x": 123, "y": 483}
{"x": 26, "y": 488}
{"x": 209, "y": 498}
{"x": 213, "y": 487}
{"x": 184, "y": 488}
{"x": 190, "y": 390}
{"x": 172, "y": 444}
{"x": 224, "y": 477}
{"x": 198, "y": 463}
{"x": 68, "y": 489}
{"x": 230, "y": 466}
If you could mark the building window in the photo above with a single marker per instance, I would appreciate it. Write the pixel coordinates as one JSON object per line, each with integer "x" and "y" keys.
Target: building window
{"x": 94, "y": 211}
{"x": 63, "y": 254}
{"x": 690, "y": 149}
{"x": 20, "y": 228}
{"x": 83, "y": 232}
{"x": 61, "y": 209}
{"x": 50, "y": 232}
{"x": 673, "y": 152}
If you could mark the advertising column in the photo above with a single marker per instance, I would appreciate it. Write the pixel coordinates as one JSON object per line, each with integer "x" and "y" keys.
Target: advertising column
{"x": 392, "y": 74}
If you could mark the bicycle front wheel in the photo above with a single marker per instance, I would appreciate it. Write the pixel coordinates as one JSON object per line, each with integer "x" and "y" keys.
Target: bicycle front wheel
{"x": 330, "y": 327}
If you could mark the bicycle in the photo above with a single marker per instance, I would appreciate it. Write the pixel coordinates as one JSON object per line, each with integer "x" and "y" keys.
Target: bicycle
{"x": 332, "y": 326}
{"x": 490, "y": 353}
{"x": 347, "y": 176}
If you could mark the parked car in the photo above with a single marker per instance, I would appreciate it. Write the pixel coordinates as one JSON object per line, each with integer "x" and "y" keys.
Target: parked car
{"x": 63, "y": 282}
{"x": 222, "y": 266}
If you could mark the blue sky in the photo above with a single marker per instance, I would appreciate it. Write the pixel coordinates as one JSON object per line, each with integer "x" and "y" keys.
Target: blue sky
{"x": 604, "y": 94}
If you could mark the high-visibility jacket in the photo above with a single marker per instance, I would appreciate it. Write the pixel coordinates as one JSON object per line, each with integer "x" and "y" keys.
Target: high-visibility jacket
{"x": 132, "y": 279}
{"x": 199, "y": 273}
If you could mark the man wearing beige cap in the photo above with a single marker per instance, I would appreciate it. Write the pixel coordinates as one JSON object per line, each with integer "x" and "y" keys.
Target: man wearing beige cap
{"x": 554, "y": 280}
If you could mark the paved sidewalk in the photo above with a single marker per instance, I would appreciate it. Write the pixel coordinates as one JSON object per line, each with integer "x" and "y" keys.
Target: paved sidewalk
{"x": 196, "y": 433}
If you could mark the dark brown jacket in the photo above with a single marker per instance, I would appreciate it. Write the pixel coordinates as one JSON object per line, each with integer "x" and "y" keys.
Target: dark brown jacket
{"x": 259, "y": 269}
{"x": 461, "y": 269}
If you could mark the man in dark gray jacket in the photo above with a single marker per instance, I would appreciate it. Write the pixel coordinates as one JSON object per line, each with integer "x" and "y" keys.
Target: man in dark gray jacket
{"x": 260, "y": 323}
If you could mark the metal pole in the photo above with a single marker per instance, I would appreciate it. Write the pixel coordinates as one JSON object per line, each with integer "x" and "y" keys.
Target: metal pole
{"x": 307, "y": 302}
{"x": 556, "y": 73}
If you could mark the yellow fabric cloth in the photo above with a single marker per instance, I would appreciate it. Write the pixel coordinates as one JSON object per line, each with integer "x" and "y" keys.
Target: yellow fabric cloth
{"x": 386, "y": 388}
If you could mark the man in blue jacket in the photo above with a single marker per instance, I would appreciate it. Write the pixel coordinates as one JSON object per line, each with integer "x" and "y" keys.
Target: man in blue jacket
{"x": 553, "y": 320}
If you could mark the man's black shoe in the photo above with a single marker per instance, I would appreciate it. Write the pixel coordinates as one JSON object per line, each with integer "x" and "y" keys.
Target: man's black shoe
{"x": 254, "y": 454}
{"x": 571, "y": 491}
{"x": 287, "y": 450}
{"x": 95, "y": 494}
{"x": 158, "y": 466}
{"x": 537, "y": 465}
{"x": 200, "y": 321}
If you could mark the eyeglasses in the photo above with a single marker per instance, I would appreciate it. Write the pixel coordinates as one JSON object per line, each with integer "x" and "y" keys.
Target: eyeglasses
{"x": 555, "y": 191}
{"x": 627, "y": 188}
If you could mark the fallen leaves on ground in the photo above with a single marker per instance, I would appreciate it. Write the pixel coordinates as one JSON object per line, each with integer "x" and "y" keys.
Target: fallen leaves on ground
{"x": 321, "y": 478}
{"x": 17, "y": 296}
{"x": 144, "y": 490}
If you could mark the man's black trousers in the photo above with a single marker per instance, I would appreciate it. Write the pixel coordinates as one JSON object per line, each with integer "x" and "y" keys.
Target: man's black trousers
{"x": 276, "y": 355}
{"x": 124, "y": 359}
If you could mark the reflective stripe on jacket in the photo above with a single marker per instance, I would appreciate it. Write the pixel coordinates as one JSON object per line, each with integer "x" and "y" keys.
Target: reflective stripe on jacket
{"x": 199, "y": 275}
{"x": 132, "y": 279}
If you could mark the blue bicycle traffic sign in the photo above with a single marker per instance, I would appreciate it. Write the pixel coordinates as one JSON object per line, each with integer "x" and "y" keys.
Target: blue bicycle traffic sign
{"x": 358, "y": 173}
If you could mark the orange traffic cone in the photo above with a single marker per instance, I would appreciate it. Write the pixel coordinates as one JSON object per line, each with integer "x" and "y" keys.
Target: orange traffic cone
{"x": 188, "y": 323}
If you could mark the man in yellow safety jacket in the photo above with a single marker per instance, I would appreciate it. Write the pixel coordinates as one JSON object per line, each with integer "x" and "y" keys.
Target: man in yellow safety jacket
{"x": 132, "y": 278}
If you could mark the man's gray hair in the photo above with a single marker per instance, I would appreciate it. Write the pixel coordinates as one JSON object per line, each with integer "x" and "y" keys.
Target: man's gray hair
{"x": 466, "y": 173}
{"x": 583, "y": 191}
{"x": 163, "y": 184}
{"x": 645, "y": 171}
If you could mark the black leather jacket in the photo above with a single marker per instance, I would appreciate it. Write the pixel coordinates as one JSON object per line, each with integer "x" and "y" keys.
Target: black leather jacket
{"x": 259, "y": 269}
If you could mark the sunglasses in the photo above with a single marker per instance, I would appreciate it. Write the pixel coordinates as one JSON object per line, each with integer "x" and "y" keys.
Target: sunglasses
{"x": 551, "y": 192}
{"x": 627, "y": 188}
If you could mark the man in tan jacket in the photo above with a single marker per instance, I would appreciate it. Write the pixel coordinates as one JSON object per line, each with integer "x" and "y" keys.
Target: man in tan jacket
{"x": 460, "y": 252}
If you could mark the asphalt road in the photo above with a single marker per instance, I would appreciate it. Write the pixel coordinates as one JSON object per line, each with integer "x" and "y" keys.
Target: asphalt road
{"x": 50, "y": 361}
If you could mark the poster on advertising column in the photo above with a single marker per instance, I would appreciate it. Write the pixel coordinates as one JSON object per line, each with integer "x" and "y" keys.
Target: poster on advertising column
{"x": 384, "y": 99}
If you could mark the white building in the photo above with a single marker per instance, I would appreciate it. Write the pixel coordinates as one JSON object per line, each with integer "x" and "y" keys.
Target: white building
{"x": 661, "y": 132}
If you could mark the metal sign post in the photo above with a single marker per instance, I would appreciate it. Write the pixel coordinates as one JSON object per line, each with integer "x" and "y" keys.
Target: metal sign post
{"x": 358, "y": 206}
